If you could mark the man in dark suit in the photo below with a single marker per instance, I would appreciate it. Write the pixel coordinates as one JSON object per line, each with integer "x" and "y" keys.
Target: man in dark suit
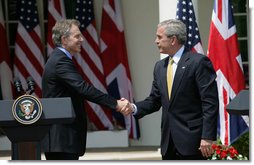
{"x": 61, "y": 79}
{"x": 190, "y": 109}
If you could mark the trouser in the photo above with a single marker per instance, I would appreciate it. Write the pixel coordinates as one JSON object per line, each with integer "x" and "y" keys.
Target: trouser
{"x": 61, "y": 156}
{"x": 173, "y": 154}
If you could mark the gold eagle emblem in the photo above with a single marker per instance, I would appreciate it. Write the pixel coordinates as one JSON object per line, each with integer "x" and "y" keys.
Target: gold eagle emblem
{"x": 27, "y": 107}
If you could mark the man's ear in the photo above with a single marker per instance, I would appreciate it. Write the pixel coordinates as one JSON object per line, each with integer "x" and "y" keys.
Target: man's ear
{"x": 175, "y": 41}
{"x": 63, "y": 40}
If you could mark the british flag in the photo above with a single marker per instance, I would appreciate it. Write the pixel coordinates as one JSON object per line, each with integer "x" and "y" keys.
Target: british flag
{"x": 115, "y": 62}
{"x": 185, "y": 13}
{"x": 223, "y": 50}
{"x": 90, "y": 65}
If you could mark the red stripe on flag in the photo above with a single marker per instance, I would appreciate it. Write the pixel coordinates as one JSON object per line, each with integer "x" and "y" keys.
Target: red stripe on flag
{"x": 51, "y": 23}
{"x": 28, "y": 53}
{"x": 94, "y": 118}
{"x": 90, "y": 38}
{"x": 92, "y": 66}
{"x": 220, "y": 10}
{"x": 57, "y": 10}
{"x": 22, "y": 69}
{"x": 36, "y": 39}
{"x": 57, "y": 5}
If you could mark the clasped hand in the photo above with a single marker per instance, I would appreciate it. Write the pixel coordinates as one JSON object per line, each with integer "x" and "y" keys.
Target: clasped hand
{"x": 124, "y": 106}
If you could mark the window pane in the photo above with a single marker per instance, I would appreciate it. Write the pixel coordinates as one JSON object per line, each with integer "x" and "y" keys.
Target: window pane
{"x": 12, "y": 10}
{"x": 45, "y": 9}
{"x": 3, "y": 7}
{"x": 244, "y": 50}
{"x": 241, "y": 25}
{"x": 69, "y": 8}
{"x": 46, "y": 32}
{"x": 239, "y": 6}
{"x": 12, "y": 52}
{"x": 246, "y": 74}
{"x": 12, "y": 33}
{"x": 46, "y": 28}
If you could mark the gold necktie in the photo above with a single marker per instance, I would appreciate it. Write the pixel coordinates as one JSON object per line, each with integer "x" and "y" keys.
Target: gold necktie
{"x": 170, "y": 75}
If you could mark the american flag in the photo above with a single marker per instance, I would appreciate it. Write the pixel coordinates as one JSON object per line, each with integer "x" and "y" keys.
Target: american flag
{"x": 5, "y": 62}
{"x": 29, "y": 60}
{"x": 115, "y": 61}
{"x": 90, "y": 65}
{"x": 185, "y": 12}
{"x": 56, "y": 11}
{"x": 223, "y": 50}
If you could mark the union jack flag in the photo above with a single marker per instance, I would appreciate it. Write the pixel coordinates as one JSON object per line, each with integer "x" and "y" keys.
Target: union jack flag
{"x": 185, "y": 13}
{"x": 115, "y": 62}
{"x": 223, "y": 50}
{"x": 90, "y": 66}
{"x": 29, "y": 59}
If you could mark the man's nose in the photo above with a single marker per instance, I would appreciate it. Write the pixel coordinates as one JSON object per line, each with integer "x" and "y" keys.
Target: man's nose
{"x": 156, "y": 40}
{"x": 81, "y": 38}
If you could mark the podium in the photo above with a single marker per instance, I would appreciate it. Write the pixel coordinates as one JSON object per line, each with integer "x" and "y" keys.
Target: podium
{"x": 240, "y": 104}
{"x": 26, "y": 139}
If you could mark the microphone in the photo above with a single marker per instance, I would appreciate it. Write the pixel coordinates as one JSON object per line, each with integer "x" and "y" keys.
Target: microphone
{"x": 30, "y": 84}
{"x": 18, "y": 85}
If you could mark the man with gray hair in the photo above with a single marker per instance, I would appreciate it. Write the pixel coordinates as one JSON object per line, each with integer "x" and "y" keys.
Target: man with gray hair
{"x": 61, "y": 79}
{"x": 184, "y": 86}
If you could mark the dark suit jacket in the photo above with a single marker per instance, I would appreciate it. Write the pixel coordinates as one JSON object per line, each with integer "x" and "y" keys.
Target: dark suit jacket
{"x": 191, "y": 113}
{"x": 61, "y": 79}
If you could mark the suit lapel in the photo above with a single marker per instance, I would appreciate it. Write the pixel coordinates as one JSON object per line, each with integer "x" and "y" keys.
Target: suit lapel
{"x": 182, "y": 66}
{"x": 164, "y": 73}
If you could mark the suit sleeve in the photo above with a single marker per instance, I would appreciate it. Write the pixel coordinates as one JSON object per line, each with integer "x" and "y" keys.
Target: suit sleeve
{"x": 153, "y": 102}
{"x": 205, "y": 78}
{"x": 68, "y": 74}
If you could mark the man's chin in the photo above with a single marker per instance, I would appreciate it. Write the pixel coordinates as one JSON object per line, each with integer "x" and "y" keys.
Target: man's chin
{"x": 160, "y": 50}
{"x": 78, "y": 50}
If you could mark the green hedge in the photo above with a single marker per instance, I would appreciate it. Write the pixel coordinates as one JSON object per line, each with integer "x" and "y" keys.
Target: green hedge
{"x": 242, "y": 145}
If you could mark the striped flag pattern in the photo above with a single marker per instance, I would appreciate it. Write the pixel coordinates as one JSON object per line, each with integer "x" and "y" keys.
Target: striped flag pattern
{"x": 56, "y": 11}
{"x": 185, "y": 13}
{"x": 223, "y": 50}
{"x": 6, "y": 82}
{"x": 115, "y": 62}
{"x": 29, "y": 60}
{"x": 90, "y": 65}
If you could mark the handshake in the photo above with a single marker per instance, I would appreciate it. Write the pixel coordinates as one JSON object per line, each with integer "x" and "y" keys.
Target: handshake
{"x": 124, "y": 107}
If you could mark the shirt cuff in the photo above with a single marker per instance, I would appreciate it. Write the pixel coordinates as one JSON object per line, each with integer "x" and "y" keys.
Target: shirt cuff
{"x": 134, "y": 109}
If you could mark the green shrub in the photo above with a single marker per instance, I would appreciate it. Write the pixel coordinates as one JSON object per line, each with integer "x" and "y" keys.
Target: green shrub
{"x": 242, "y": 144}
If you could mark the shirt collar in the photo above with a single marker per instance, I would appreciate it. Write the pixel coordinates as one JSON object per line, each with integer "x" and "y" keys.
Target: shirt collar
{"x": 65, "y": 52}
{"x": 178, "y": 55}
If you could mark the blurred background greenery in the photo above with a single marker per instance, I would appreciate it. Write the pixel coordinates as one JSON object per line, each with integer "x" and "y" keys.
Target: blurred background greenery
{"x": 242, "y": 145}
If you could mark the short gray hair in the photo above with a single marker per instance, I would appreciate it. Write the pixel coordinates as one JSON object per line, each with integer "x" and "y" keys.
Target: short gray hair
{"x": 62, "y": 28}
{"x": 176, "y": 28}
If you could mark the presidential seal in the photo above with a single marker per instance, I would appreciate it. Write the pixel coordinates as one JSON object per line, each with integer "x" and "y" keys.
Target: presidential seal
{"x": 27, "y": 109}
